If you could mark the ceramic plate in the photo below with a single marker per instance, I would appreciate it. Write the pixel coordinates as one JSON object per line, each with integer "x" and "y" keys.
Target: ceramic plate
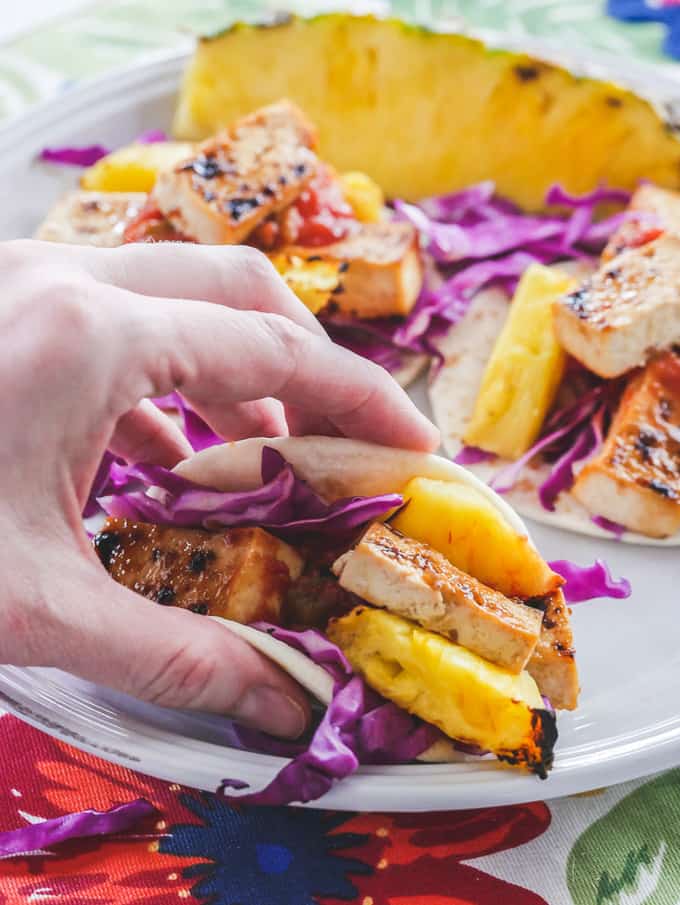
{"x": 628, "y": 723}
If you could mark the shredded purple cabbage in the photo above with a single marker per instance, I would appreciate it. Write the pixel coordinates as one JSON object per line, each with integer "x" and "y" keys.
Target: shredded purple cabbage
{"x": 572, "y": 434}
{"x": 88, "y": 155}
{"x": 36, "y": 837}
{"x": 198, "y": 433}
{"x": 589, "y": 582}
{"x": 84, "y": 156}
{"x": 476, "y": 239}
{"x": 607, "y": 525}
{"x": 283, "y": 503}
{"x": 358, "y": 727}
{"x": 473, "y": 455}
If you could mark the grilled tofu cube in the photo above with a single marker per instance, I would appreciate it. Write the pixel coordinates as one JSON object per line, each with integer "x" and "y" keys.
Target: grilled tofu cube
{"x": 91, "y": 218}
{"x": 470, "y": 699}
{"x": 241, "y": 574}
{"x": 629, "y": 308}
{"x": 382, "y": 272}
{"x": 237, "y": 179}
{"x": 413, "y": 580}
{"x": 553, "y": 662}
{"x": 635, "y": 479}
{"x": 654, "y": 210}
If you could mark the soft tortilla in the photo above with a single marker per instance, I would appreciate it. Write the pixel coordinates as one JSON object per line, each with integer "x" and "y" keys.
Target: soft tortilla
{"x": 335, "y": 468}
{"x": 453, "y": 390}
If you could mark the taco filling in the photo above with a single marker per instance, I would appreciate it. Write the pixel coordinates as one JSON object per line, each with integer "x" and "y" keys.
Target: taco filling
{"x": 412, "y": 585}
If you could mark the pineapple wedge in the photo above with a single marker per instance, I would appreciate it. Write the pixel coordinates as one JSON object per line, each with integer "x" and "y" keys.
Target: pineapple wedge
{"x": 468, "y": 698}
{"x": 524, "y": 371}
{"x": 134, "y": 168}
{"x": 459, "y": 522}
{"x": 363, "y": 195}
{"x": 313, "y": 281}
{"x": 426, "y": 112}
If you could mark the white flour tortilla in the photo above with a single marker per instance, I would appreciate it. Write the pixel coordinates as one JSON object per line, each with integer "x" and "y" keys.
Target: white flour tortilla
{"x": 335, "y": 468}
{"x": 453, "y": 390}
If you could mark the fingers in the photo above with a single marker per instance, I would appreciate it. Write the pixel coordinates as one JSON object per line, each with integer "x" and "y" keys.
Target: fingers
{"x": 219, "y": 357}
{"x": 261, "y": 418}
{"x": 99, "y": 630}
{"x": 145, "y": 434}
{"x": 232, "y": 275}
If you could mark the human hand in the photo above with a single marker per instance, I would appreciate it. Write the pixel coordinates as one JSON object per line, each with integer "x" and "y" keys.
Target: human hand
{"x": 90, "y": 334}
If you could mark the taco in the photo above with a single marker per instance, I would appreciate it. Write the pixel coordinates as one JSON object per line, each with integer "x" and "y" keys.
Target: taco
{"x": 407, "y": 580}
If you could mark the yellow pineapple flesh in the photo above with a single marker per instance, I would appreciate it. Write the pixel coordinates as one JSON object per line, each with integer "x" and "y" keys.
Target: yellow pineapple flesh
{"x": 312, "y": 281}
{"x": 468, "y": 698}
{"x": 363, "y": 195}
{"x": 463, "y": 525}
{"x": 134, "y": 168}
{"x": 525, "y": 369}
{"x": 424, "y": 112}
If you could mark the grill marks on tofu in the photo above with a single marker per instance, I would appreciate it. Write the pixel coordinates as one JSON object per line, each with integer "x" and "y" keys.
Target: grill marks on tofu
{"x": 411, "y": 579}
{"x": 635, "y": 479}
{"x": 242, "y": 574}
{"x": 91, "y": 218}
{"x": 553, "y": 662}
{"x": 381, "y": 272}
{"x": 628, "y": 309}
{"x": 237, "y": 179}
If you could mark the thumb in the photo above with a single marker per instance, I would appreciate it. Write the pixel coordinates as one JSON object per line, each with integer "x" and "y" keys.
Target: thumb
{"x": 107, "y": 634}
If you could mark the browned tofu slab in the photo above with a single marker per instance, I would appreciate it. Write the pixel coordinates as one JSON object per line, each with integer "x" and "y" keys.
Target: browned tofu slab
{"x": 553, "y": 662}
{"x": 241, "y": 574}
{"x": 91, "y": 218}
{"x": 411, "y": 579}
{"x": 381, "y": 269}
{"x": 654, "y": 210}
{"x": 635, "y": 479}
{"x": 237, "y": 179}
{"x": 628, "y": 309}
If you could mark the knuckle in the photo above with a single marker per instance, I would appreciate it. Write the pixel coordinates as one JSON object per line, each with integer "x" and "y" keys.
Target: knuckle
{"x": 183, "y": 679}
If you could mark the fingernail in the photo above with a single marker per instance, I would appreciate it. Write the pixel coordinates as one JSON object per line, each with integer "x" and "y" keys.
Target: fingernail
{"x": 272, "y": 711}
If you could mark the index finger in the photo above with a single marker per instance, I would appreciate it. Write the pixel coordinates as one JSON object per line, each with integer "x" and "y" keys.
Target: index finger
{"x": 236, "y": 276}
{"x": 218, "y": 357}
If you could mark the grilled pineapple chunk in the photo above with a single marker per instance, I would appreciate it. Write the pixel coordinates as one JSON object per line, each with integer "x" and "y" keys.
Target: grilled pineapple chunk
{"x": 312, "y": 281}
{"x": 459, "y": 522}
{"x": 524, "y": 371}
{"x": 363, "y": 195}
{"x": 468, "y": 698}
{"x": 380, "y": 92}
{"x": 134, "y": 168}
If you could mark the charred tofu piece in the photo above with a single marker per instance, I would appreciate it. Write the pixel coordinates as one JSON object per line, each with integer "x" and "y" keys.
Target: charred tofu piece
{"x": 381, "y": 272}
{"x": 411, "y": 579}
{"x": 628, "y": 309}
{"x": 91, "y": 218}
{"x": 553, "y": 662}
{"x": 652, "y": 211}
{"x": 237, "y": 179}
{"x": 635, "y": 479}
{"x": 241, "y": 574}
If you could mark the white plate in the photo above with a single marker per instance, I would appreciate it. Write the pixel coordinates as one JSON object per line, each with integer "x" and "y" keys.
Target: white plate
{"x": 628, "y": 723}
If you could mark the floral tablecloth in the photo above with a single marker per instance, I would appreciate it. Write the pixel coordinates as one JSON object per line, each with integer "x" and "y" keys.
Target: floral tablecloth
{"x": 619, "y": 846}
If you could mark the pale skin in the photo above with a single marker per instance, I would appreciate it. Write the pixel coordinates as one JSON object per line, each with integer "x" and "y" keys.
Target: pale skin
{"x": 88, "y": 336}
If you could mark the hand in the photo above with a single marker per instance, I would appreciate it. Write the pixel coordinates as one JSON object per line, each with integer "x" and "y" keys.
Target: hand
{"x": 88, "y": 336}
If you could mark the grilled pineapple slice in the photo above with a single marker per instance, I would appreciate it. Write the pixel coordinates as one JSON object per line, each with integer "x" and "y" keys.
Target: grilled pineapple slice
{"x": 134, "y": 168}
{"x": 524, "y": 371}
{"x": 382, "y": 94}
{"x": 468, "y": 698}
{"x": 363, "y": 195}
{"x": 312, "y": 281}
{"x": 459, "y": 522}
